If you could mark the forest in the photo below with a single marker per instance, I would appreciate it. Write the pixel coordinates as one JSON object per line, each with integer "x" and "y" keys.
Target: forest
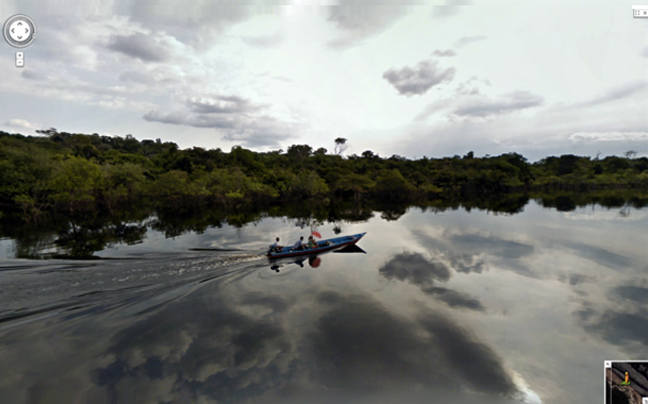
{"x": 75, "y": 173}
{"x": 80, "y": 193}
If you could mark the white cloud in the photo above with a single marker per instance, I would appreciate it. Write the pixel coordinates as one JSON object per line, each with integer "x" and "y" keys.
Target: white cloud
{"x": 73, "y": 41}
{"x": 361, "y": 19}
{"x": 444, "y": 53}
{"x": 418, "y": 80}
{"x": 140, "y": 46}
{"x": 541, "y": 93}
{"x": 616, "y": 93}
{"x": 482, "y": 107}
{"x": 221, "y": 104}
{"x": 469, "y": 103}
{"x": 450, "y": 8}
{"x": 472, "y": 86}
{"x": 582, "y": 137}
{"x": 265, "y": 41}
{"x": 467, "y": 40}
{"x": 22, "y": 123}
{"x": 234, "y": 117}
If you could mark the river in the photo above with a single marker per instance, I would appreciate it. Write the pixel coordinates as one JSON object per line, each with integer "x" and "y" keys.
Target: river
{"x": 450, "y": 307}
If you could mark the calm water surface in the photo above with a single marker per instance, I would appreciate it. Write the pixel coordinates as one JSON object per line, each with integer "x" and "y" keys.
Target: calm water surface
{"x": 452, "y": 307}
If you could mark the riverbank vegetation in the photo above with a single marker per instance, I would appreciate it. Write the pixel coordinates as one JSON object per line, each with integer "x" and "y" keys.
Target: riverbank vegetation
{"x": 80, "y": 193}
{"x": 80, "y": 236}
{"x": 76, "y": 173}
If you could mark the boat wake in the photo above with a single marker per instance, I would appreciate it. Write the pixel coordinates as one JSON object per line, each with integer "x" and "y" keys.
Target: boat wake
{"x": 33, "y": 289}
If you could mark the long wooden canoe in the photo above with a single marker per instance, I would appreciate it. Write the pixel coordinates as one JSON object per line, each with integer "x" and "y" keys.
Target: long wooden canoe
{"x": 322, "y": 245}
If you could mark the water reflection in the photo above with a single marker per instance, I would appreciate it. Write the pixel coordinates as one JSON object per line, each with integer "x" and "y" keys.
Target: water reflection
{"x": 359, "y": 343}
{"x": 220, "y": 345}
{"x": 315, "y": 260}
{"x": 445, "y": 306}
{"x": 427, "y": 274}
{"x": 82, "y": 236}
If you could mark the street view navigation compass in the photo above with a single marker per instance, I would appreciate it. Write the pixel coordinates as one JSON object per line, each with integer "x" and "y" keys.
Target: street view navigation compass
{"x": 19, "y": 31}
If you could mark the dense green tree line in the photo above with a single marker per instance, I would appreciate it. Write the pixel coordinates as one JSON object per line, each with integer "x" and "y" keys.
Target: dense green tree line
{"x": 71, "y": 173}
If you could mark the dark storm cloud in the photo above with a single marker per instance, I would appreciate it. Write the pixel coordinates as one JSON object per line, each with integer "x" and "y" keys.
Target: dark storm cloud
{"x": 483, "y": 107}
{"x": 599, "y": 255}
{"x": 635, "y": 293}
{"x": 417, "y": 270}
{"x": 618, "y": 327}
{"x": 491, "y": 245}
{"x": 444, "y": 53}
{"x": 329, "y": 297}
{"x": 466, "y": 263}
{"x": 467, "y": 40}
{"x": 575, "y": 279}
{"x": 358, "y": 344}
{"x": 624, "y": 322}
{"x": 454, "y": 298}
{"x": 393, "y": 355}
{"x": 139, "y": 46}
{"x": 418, "y": 80}
{"x": 617, "y": 93}
{"x": 472, "y": 357}
{"x": 360, "y": 19}
{"x": 226, "y": 355}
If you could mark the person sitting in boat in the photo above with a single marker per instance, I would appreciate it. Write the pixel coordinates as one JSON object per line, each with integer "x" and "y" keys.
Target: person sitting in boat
{"x": 275, "y": 246}
{"x": 311, "y": 242}
{"x": 299, "y": 245}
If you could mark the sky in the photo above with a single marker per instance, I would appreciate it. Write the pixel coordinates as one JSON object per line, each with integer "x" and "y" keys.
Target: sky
{"x": 432, "y": 78}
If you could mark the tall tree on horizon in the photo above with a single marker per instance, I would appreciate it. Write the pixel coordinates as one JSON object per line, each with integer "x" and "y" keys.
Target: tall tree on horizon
{"x": 340, "y": 145}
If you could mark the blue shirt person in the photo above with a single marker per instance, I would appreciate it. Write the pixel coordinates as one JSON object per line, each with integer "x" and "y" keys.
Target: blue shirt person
{"x": 299, "y": 244}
